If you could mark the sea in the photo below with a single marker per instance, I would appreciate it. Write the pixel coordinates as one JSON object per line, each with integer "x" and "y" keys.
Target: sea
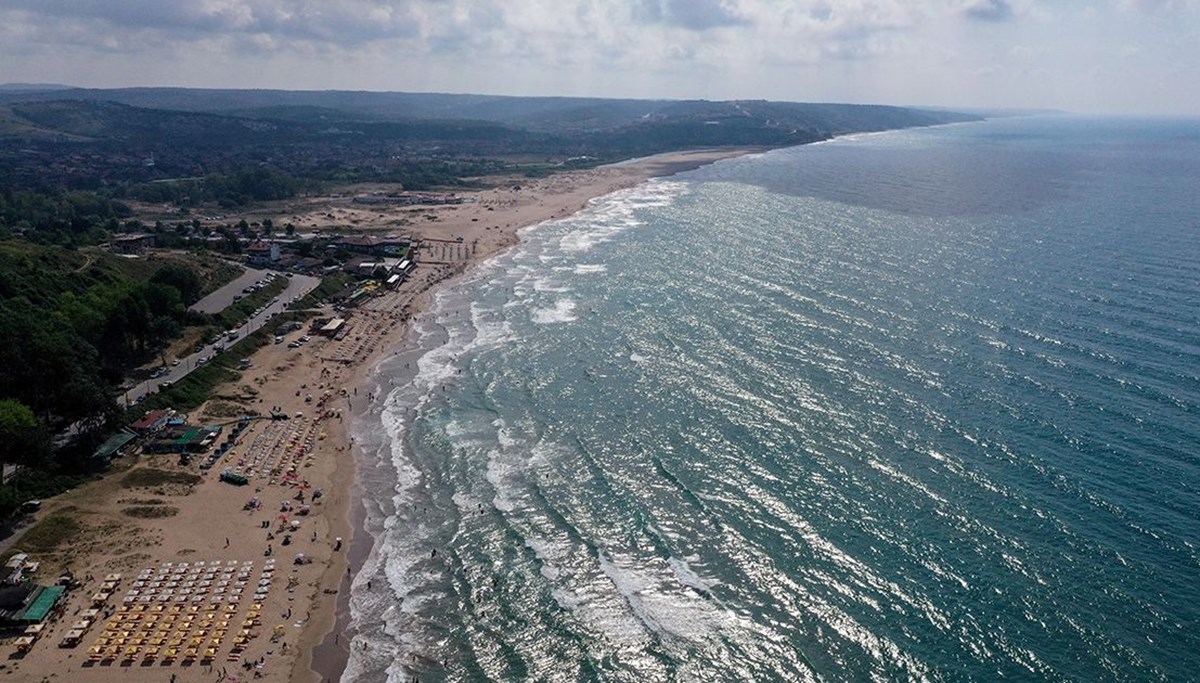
{"x": 920, "y": 405}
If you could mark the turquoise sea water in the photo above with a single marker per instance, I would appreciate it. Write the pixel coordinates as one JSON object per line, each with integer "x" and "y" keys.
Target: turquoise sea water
{"x": 921, "y": 405}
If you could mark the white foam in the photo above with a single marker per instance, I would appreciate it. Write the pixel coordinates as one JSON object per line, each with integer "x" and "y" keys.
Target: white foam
{"x": 683, "y": 571}
{"x": 537, "y": 275}
{"x": 654, "y": 596}
{"x": 545, "y": 284}
{"x": 504, "y": 435}
{"x": 563, "y": 312}
{"x": 613, "y": 214}
{"x": 490, "y": 330}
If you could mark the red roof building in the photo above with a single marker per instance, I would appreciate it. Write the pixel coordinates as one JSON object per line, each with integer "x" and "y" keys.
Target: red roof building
{"x": 151, "y": 422}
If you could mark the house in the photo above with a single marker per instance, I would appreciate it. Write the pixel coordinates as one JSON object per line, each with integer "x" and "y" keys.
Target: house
{"x": 137, "y": 243}
{"x": 261, "y": 253}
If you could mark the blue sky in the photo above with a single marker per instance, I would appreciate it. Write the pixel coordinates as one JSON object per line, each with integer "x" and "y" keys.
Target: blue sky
{"x": 1104, "y": 56}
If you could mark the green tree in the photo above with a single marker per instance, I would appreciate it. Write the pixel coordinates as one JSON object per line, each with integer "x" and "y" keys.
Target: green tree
{"x": 183, "y": 279}
{"x": 21, "y": 437}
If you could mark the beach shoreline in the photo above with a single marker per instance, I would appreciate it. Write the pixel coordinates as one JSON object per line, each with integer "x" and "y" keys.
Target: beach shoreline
{"x": 330, "y": 651}
{"x": 188, "y": 576}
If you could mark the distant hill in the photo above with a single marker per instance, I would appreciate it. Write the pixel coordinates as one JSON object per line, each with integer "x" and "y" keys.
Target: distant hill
{"x": 542, "y": 114}
{"x": 32, "y": 87}
{"x": 89, "y": 139}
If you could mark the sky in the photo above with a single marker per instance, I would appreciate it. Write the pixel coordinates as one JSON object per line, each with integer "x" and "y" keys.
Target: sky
{"x": 1102, "y": 56}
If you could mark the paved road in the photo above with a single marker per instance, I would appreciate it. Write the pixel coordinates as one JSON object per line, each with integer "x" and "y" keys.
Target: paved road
{"x": 298, "y": 286}
{"x": 220, "y": 299}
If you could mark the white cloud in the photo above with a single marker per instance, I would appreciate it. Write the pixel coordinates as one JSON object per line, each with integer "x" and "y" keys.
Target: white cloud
{"x": 903, "y": 51}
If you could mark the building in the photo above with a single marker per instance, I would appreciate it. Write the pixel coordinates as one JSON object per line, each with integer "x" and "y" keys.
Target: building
{"x": 151, "y": 422}
{"x": 113, "y": 447}
{"x": 21, "y": 602}
{"x": 132, "y": 244}
{"x": 331, "y": 328}
{"x": 390, "y": 245}
{"x": 393, "y": 245}
{"x": 261, "y": 253}
{"x": 357, "y": 244}
{"x": 27, "y": 604}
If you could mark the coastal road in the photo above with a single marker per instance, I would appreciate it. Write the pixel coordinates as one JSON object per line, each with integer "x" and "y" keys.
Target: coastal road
{"x": 298, "y": 286}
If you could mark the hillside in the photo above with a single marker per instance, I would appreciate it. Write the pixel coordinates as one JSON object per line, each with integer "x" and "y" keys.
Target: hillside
{"x": 546, "y": 114}
{"x": 106, "y": 140}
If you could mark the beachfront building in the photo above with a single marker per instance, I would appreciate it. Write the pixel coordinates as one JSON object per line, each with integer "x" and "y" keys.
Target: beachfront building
{"x": 22, "y": 602}
{"x": 331, "y": 328}
{"x": 184, "y": 438}
{"x": 357, "y": 244}
{"x": 390, "y": 245}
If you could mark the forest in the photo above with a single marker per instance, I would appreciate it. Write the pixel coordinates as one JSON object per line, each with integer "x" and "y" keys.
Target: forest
{"x": 72, "y": 324}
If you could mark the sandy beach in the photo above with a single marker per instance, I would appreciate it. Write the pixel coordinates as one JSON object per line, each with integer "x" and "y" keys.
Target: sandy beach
{"x": 160, "y": 541}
